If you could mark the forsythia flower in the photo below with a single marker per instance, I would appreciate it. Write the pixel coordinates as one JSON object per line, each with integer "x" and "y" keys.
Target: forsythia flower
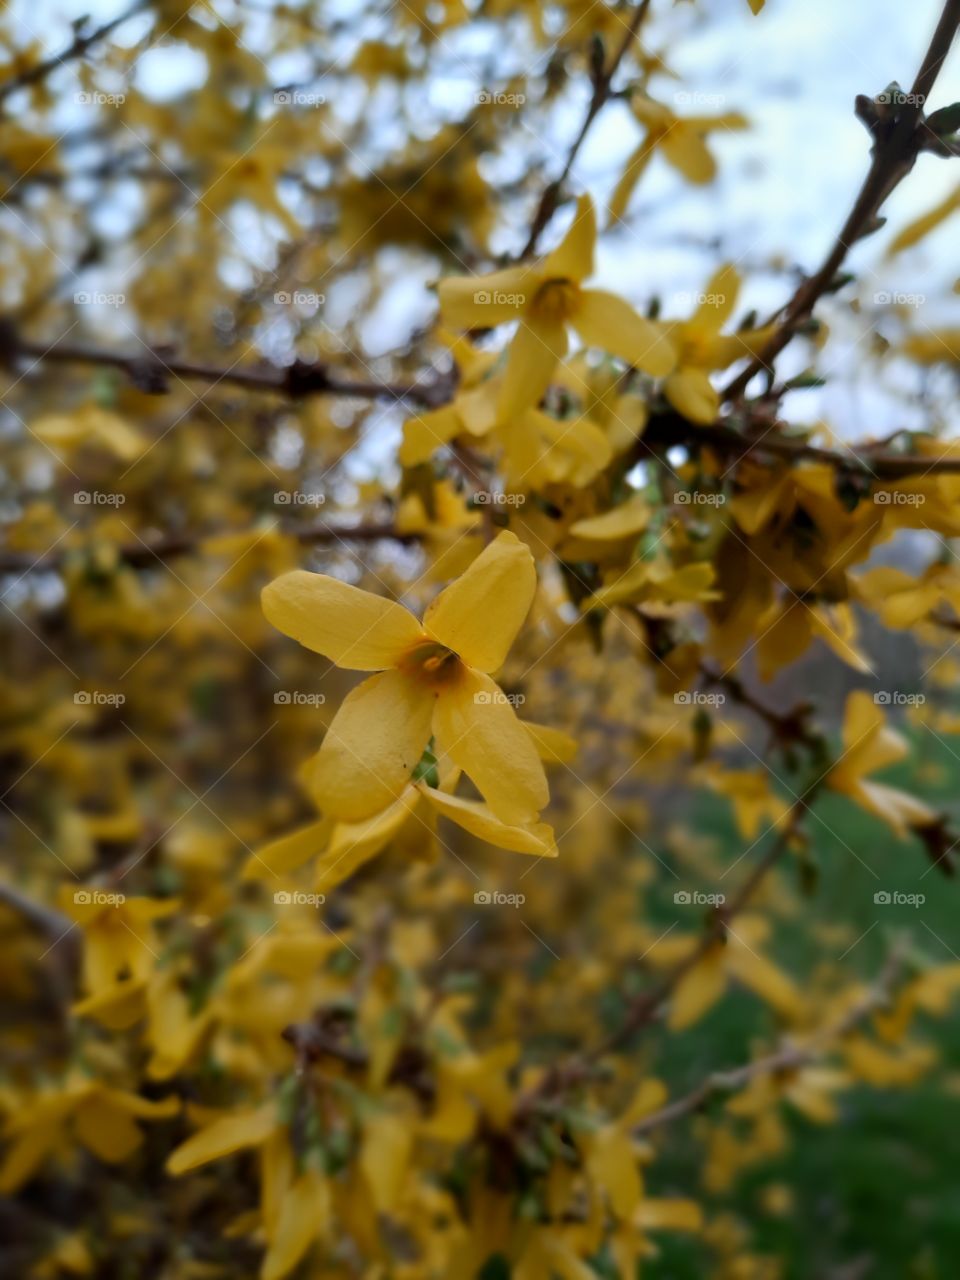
{"x": 680, "y": 140}
{"x": 870, "y": 744}
{"x": 702, "y": 348}
{"x": 547, "y": 297}
{"x": 433, "y": 680}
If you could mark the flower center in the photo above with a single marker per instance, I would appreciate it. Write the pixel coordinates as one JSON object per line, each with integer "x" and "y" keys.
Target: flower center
{"x": 431, "y": 663}
{"x": 556, "y": 300}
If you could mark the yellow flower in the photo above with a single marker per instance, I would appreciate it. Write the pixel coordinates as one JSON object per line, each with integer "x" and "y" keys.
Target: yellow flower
{"x": 869, "y": 745}
{"x": 702, "y": 348}
{"x": 434, "y": 679}
{"x": 546, "y": 298}
{"x": 679, "y": 140}
{"x": 99, "y": 1118}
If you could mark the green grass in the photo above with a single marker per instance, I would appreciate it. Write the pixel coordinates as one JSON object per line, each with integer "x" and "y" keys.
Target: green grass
{"x": 880, "y": 1189}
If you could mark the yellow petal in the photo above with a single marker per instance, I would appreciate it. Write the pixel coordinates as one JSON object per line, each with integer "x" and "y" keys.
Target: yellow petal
{"x": 373, "y": 744}
{"x": 304, "y": 1215}
{"x": 478, "y": 729}
{"x": 427, "y": 432}
{"x": 353, "y": 628}
{"x": 481, "y": 822}
{"x": 480, "y": 302}
{"x": 608, "y": 322}
{"x": 385, "y": 1156}
{"x": 536, "y": 349}
{"x": 612, "y": 1164}
{"x": 573, "y": 257}
{"x": 354, "y": 843}
{"x": 698, "y": 991}
{"x": 629, "y": 179}
{"x": 108, "y": 1133}
{"x": 553, "y": 745}
{"x": 683, "y": 147}
{"x": 719, "y": 299}
{"x": 222, "y": 1138}
{"x": 288, "y": 852}
{"x": 479, "y": 614}
{"x": 693, "y": 395}
{"x": 623, "y": 521}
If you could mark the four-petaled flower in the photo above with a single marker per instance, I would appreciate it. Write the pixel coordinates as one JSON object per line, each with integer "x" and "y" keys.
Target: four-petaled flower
{"x": 434, "y": 679}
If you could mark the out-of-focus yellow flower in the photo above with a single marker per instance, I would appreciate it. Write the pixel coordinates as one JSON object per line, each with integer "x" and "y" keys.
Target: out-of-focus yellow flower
{"x": 547, "y": 298}
{"x": 701, "y": 348}
{"x": 679, "y": 139}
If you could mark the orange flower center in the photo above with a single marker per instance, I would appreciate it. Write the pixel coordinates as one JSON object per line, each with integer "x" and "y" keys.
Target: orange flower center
{"x": 431, "y": 663}
{"x": 556, "y": 300}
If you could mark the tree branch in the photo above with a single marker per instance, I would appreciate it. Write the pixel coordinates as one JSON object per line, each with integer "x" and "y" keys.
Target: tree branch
{"x": 898, "y": 138}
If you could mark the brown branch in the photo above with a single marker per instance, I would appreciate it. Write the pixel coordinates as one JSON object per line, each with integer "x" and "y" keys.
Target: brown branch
{"x": 899, "y": 137}
{"x": 788, "y": 1058}
{"x": 152, "y": 370}
{"x": 602, "y": 83}
{"x": 143, "y": 554}
{"x": 81, "y": 43}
